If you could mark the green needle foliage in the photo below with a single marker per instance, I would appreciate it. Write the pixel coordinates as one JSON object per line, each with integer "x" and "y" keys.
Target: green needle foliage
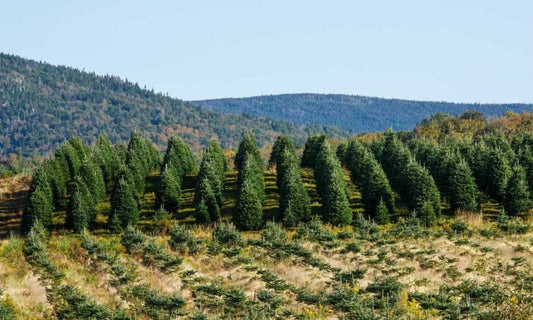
{"x": 516, "y": 198}
{"x": 124, "y": 206}
{"x": 81, "y": 211}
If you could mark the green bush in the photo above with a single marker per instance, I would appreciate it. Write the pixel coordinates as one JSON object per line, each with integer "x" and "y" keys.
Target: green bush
{"x": 227, "y": 234}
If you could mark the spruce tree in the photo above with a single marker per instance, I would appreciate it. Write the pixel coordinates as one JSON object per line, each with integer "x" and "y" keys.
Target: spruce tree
{"x": 208, "y": 193}
{"x": 331, "y": 187}
{"x": 497, "y": 172}
{"x": 92, "y": 176}
{"x": 39, "y": 207}
{"x": 311, "y": 149}
{"x": 283, "y": 144}
{"x": 124, "y": 206}
{"x": 168, "y": 191}
{"x": 294, "y": 203}
{"x": 179, "y": 157}
{"x": 108, "y": 159}
{"x": 248, "y": 148}
{"x": 423, "y": 195}
{"x": 460, "y": 185}
{"x": 516, "y": 198}
{"x": 250, "y": 185}
{"x": 81, "y": 210}
{"x": 375, "y": 190}
{"x": 382, "y": 213}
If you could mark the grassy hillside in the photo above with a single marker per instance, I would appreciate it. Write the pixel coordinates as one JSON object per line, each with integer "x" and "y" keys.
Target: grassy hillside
{"x": 352, "y": 113}
{"x": 42, "y": 105}
{"x": 465, "y": 268}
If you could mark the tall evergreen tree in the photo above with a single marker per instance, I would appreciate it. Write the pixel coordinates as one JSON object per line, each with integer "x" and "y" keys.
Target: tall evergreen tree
{"x": 516, "y": 198}
{"x": 81, "y": 210}
{"x": 423, "y": 195}
{"x": 331, "y": 187}
{"x": 92, "y": 176}
{"x": 460, "y": 186}
{"x": 208, "y": 194}
{"x": 179, "y": 157}
{"x": 311, "y": 149}
{"x": 294, "y": 203}
{"x": 107, "y": 158}
{"x": 283, "y": 144}
{"x": 248, "y": 209}
{"x": 124, "y": 206}
{"x": 248, "y": 147}
{"x": 39, "y": 207}
{"x": 375, "y": 190}
{"x": 168, "y": 191}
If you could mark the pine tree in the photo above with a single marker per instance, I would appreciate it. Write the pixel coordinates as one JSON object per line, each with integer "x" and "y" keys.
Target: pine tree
{"x": 168, "y": 191}
{"x": 331, "y": 187}
{"x": 124, "y": 206}
{"x": 294, "y": 203}
{"x": 248, "y": 209}
{"x": 461, "y": 187}
{"x": 38, "y": 208}
{"x": 92, "y": 176}
{"x": 375, "y": 189}
{"x": 516, "y": 198}
{"x": 81, "y": 210}
{"x": 423, "y": 195}
{"x": 179, "y": 157}
{"x": 40, "y": 204}
{"x": 250, "y": 185}
{"x": 382, "y": 213}
{"x": 311, "y": 149}
{"x": 497, "y": 172}
{"x": 248, "y": 147}
{"x": 68, "y": 159}
{"x": 283, "y": 144}
{"x": 208, "y": 194}
{"x": 108, "y": 159}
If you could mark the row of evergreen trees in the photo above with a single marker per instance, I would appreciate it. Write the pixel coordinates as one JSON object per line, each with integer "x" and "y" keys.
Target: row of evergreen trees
{"x": 419, "y": 171}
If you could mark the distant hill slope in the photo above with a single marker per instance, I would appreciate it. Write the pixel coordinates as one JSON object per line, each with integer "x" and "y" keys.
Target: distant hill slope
{"x": 41, "y": 105}
{"x": 351, "y": 113}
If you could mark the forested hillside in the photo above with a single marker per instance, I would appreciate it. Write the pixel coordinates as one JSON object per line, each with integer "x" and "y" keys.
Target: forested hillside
{"x": 41, "y": 105}
{"x": 352, "y": 113}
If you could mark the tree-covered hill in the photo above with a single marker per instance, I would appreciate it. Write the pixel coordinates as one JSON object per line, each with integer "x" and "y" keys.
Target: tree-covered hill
{"x": 42, "y": 105}
{"x": 352, "y": 113}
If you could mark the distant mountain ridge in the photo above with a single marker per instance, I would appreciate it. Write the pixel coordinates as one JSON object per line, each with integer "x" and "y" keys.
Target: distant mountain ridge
{"x": 42, "y": 105}
{"x": 352, "y": 113}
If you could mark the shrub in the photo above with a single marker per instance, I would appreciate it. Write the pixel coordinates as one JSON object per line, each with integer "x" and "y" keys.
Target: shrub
{"x": 227, "y": 234}
{"x": 182, "y": 240}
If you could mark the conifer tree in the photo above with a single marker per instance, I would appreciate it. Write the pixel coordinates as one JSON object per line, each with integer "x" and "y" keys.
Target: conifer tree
{"x": 92, "y": 176}
{"x": 248, "y": 148}
{"x": 382, "y": 213}
{"x": 38, "y": 208}
{"x": 108, "y": 159}
{"x": 283, "y": 144}
{"x": 179, "y": 157}
{"x": 423, "y": 195}
{"x": 497, "y": 172}
{"x": 294, "y": 203}
{"x": 68, "y": 159}
{"x": 208, "y": 194}
{"x": 81, "y": 210}
{"x": 40, "y": 204}
{"x": 311, "y": 149}
{"x": 331, "y": 187}
{"x": 375, "y": 190}
{"x": 516, "y": 198}
{"x": 124, "y": 206}
{"x": 460, "y": 186}
{"x": 168, "y": 191}
{"x": 248, "y": 209}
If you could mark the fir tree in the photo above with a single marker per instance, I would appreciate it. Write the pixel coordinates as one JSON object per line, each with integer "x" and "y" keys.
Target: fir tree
{"x": 294, "y": 203}
{"x": 38, "y": 208}
{"x": 332, "y": 187}
{"x": 248, "y": 209}
{"x": 91, "y": 175}
{"x": 124, "y": 206}
{"x": 311, "y": 149}
{"x": 516, "y": 198}
{"x": 382, "y": 213}
{"x": 375, "y": 190}
{"x": 81, "y": 210}
{"x": 461, "y": 187}
{"x": 168, "y": 191}
{"x": 248, "y": 147}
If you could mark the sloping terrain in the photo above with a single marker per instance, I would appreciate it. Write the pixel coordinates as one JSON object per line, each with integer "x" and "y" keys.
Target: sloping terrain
{"x": 352, "y": 113}
{"x": 42, "y": 105}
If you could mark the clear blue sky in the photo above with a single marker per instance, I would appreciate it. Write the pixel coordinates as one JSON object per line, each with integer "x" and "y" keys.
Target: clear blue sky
{"x": 463, "y": 51}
